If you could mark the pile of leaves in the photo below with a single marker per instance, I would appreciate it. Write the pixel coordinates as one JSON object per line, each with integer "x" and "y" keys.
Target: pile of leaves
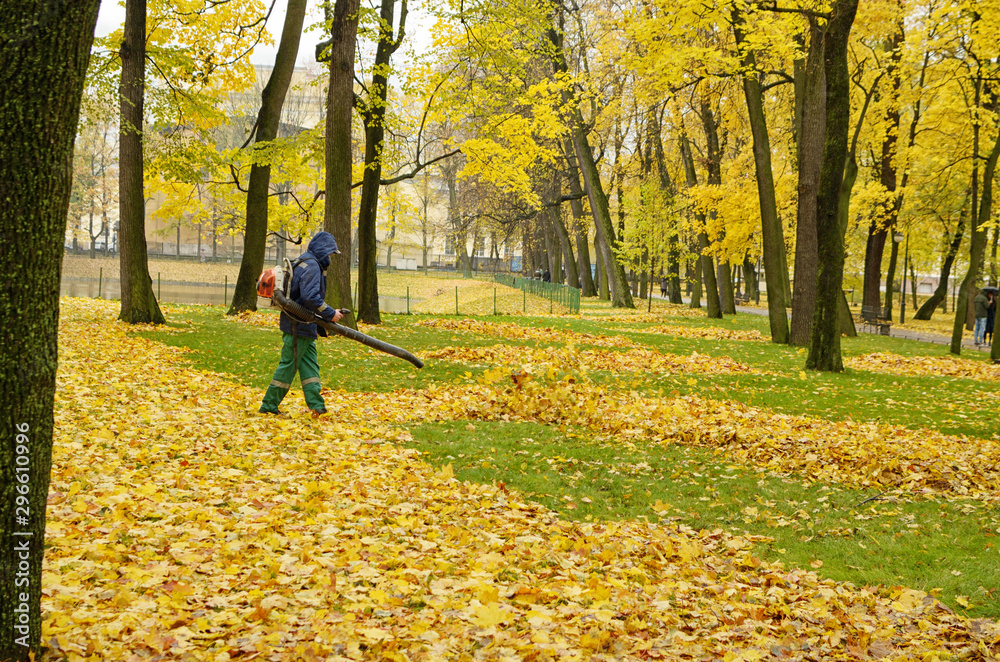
{"x": 661, "y": 312}
{"x": 942, "y": 366}
{"x": 260, "y": 318}
{"x": 704, "y": 332}
{"x": 855, "y": 454}
{"x": 184, "y": 526}
{"x": 512, "y": 331}
{"x": 635, "y": 360}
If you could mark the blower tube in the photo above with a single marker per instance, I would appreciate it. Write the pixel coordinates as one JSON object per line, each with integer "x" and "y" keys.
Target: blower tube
{"x": 302, "y": 314}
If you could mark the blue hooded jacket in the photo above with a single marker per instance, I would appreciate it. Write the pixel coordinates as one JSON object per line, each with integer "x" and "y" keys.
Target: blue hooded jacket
{"x": 308, "y": 286}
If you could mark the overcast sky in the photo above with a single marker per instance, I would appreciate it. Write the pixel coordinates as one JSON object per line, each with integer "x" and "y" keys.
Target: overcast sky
{"x": 112, "y": 15}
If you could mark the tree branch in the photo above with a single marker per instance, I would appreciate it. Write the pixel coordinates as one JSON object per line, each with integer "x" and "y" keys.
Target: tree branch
{"x": 788, "y": 10}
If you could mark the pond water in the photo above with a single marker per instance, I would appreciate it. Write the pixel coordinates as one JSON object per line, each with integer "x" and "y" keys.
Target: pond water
{"x": 203, "y": 293}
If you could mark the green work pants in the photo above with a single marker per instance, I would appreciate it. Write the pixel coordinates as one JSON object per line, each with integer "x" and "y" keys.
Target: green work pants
{"x": 308, "y": 369}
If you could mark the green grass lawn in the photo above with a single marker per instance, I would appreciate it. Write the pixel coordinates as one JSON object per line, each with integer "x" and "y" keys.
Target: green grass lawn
{"x": 920, "y": 543}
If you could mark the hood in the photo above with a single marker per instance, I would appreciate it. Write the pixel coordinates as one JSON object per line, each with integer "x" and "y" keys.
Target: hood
{"x": 322, "y": 246}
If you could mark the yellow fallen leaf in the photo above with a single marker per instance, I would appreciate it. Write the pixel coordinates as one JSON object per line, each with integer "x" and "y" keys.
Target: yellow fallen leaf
{"x": 488, "y": 615}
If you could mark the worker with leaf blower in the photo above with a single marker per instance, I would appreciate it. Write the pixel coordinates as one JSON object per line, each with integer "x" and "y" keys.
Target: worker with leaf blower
{"x": 298, "y": 351}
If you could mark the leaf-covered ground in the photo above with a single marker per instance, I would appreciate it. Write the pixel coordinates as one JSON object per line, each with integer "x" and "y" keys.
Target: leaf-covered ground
{"x": 513, "y": 331}
{"x": 894, "y": 364}
{"x": 634, "y": 360}
{"x": 183, "y": 525}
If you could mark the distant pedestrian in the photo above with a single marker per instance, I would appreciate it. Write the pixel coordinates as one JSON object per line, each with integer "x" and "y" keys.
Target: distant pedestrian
{"x": 991, "y": 316}
{"x": 981, "y": 305}
{"x": 663, "y": 286}
{"x": 547, "y": 276}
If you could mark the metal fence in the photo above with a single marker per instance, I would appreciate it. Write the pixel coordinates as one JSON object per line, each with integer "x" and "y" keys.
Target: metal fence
{"x": 557, "y": 294}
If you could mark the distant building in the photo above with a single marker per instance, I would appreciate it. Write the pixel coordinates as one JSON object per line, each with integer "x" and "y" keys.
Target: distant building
{"x": 412, "y": 227}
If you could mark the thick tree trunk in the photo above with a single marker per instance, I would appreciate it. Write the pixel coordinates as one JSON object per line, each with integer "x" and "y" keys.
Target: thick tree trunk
{"x": 775, "y": 261}
{"x": 138, "y": 302}
{"x": 706, "y": 267}
{"x": 874, "y": 250}
{"x": 750, "y": 281}
{"x": 941, "y": 292}
{"x": 824, "y": 348}
{"x": 727, "y": 295}
{"x": 339, "y": 107}
{"x": 271, "y": 102}
{"x": 811, "y": 132}
{"x": 602, "y": 273}
{"x": 368, "y": 307}
{"x": 43, "y": 64}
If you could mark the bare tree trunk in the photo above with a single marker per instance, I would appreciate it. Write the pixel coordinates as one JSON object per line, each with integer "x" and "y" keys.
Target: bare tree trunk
{"x": 824, "y": 348}
{"x": 138, "y": 302}
{"x": 602, "y": 273}
{"x": 271, "y": 102}
{"x": 750, "y": 281}
{"x": 775, "y": 260}
{"x": 43, "y": 64}
{"x": 572, "y": 275}
{"x": 723, "y": 276}
{"x": 339, "y": 107}
{"x": 582, "y": 247}
{"x": 811, "y": 132}
{"x": 374, "y": 114}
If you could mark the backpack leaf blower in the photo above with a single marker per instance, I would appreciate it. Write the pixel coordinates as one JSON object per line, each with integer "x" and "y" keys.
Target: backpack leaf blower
{"x": 306, "y": 316}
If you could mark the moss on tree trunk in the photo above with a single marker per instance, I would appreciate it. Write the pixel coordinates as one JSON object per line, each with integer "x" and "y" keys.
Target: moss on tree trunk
{"x": 824, "y": 346}
{"x": 43, "y": 62}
